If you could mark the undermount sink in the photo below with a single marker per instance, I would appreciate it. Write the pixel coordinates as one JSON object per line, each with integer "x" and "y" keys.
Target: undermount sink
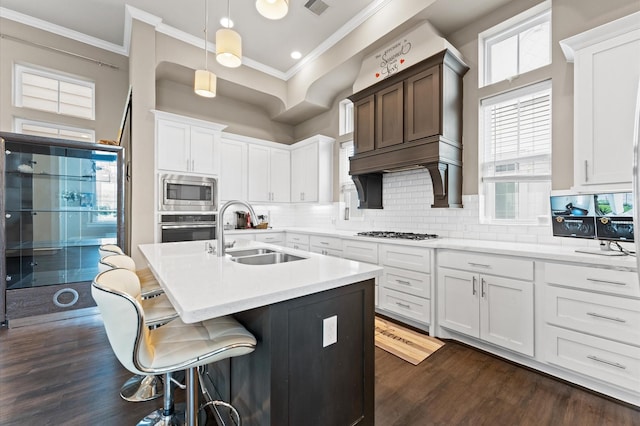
{"x": 249, "y": 252}
{"x": 267, "y": 258}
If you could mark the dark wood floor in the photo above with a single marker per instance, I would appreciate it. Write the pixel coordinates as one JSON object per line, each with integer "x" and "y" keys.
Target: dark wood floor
{"x": 64, "y": 373}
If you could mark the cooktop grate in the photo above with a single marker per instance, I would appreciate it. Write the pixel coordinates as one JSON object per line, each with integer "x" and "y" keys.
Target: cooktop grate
{"x": 398, "y": 235}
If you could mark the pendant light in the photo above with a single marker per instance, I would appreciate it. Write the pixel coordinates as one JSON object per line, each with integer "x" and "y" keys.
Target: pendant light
{"x": 273, "y": 9}
{"x": 228, "y": 44}
{"x": 205, "y": 81}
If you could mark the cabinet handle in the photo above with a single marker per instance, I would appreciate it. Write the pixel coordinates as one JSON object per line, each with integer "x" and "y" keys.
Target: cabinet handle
{"x": 404, "y": 282}
{"x": 482, "y": 285}
{"x": 593, "y": 280}
{"x": 474, "y": 286}
{"x": 187, "y": 168}
{"x": 403, "y": 305}
{"x": 324, "y": 242}
{"x": 594, "y": 314}
{"x": 604, "y": 361}
{"x": 586, "y": 170}
{"x": 193, "y": 165}
{"x": 479, "y": 265}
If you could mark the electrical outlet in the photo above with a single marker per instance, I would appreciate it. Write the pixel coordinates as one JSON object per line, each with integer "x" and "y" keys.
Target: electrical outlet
{"x": 329, "y": 331}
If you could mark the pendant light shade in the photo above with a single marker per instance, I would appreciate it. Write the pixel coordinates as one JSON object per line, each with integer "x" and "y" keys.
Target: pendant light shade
{"x": 205, "y": 83}
{"x": 228, "y": 48}
{"x": 273, "y": 9}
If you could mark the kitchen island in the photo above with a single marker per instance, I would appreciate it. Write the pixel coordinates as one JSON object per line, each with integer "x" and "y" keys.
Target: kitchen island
{"x": 313, "y": 319}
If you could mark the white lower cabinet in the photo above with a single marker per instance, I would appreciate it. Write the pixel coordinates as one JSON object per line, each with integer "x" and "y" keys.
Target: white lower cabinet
{"x": 496, "y": 309}
{"x": 277, "y": 238}
{"x": 330, "y": 246}
{"x": 405, "y": 285}
{"x": 362, "y": 251}
{"x": 592, "y": 323}
{"x": 297, "y": 241}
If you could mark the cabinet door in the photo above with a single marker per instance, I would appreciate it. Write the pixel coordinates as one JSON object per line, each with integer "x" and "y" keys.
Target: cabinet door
{"x": 389, "y": 113}
{"x": 258, "y": 186}
{"x": 304, "y": 179}
{"x": 233, "y": 170}
{"x": 506, "y": 313}
{"x": 458, "y": 305}
{"x": 364, "y": 124}
{"x": 606, "y": 84}
{"x": 422, "y": 115}
{"x": 202, "y": 152}
{"x": 173, "y": 145}
{"x": 280, "y": 176}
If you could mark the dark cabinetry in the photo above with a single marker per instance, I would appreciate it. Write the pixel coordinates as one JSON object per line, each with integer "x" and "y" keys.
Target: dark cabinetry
{"x": 61, "y": 200}
{"x": 291, "y": 378}
{"x": 413, "y": 118}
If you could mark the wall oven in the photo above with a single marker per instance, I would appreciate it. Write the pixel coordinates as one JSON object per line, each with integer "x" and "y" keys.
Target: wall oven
{"x": 188, "y": 193}
{"x": 187, "y": 227}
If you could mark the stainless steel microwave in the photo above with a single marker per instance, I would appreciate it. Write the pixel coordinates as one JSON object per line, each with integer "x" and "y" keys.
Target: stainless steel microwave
{"x": 188, "y": 193}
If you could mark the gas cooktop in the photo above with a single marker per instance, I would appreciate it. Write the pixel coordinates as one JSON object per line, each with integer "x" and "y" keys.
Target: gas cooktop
{"x": 399, "y": 235}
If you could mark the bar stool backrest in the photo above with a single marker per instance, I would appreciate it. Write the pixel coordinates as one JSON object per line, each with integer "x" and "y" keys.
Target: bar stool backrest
{"x": 117, "y": 294}
{"x": 116, "y": 261}
{"x": 109, "y": 249}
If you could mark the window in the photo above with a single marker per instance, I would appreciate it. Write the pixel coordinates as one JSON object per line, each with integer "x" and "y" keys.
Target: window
{"x": 515, "y": 156}
{"x": 54, "y": 92}
{"x": 52, "y": 130}
{"x": 346, "y": 117}
{"x": 347, "y": 187}
{"x": 517, "y": 45}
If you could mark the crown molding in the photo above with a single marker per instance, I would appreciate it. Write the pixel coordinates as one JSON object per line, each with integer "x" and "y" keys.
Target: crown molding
{"x": 61, "y": 31}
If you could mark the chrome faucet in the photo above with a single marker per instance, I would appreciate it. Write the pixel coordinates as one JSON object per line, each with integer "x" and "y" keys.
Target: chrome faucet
{"x": 220, "y": 248}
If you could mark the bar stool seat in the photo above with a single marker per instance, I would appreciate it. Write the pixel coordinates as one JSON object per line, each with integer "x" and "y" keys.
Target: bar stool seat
{"x": 165, "y": 350}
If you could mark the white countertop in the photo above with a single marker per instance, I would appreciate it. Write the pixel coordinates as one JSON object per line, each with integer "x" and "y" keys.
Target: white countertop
{"x": 535, "y": 251}
{"x": 201, "y": 285}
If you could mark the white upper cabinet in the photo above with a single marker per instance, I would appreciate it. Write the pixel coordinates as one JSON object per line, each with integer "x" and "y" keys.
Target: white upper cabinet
{"x": 233, "y": 170}
{"x": 607, "y": 72}
{"x": 312, "y": 171}
{"x": 269, "y": 174}
{"x": 186, "y": 145}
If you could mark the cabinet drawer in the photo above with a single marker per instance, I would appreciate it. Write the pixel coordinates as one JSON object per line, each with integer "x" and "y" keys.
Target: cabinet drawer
{"x": 511, "y": 267}
{"x": 271, "y": 237}
{"x": 624, "y": 283}
{"x": 416, "y": 283}
{"x": 297, "y": 238}
{"x": 360, "y": 251}
{"x": 298, "y": 246}
{"x": 602, "y": 359}
{"x": 325, "y": 242}
{"x": 409, "y": 306}
{"x": 606, "y": 316}
{"x": 412, "y": 258}
{"x": 325, "y": 251}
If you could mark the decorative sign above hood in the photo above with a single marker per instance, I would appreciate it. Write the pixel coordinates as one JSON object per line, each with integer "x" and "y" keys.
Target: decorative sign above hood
{"x": 412, "y": 47}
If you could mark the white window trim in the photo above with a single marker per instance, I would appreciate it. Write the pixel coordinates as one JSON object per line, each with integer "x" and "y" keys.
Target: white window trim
{"x": 346, "y": 117}
{"x": 516, "y": 24}
{"x": 19, "y": 69}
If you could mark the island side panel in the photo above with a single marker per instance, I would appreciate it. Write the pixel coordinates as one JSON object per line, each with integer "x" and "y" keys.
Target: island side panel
{"x": 291, "y": 378}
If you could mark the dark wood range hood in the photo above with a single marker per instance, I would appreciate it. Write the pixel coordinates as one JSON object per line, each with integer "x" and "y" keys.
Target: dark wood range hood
{"x": 412, "y": 119}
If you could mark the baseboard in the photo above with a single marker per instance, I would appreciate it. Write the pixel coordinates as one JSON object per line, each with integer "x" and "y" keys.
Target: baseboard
{"x": 57, "y": 316}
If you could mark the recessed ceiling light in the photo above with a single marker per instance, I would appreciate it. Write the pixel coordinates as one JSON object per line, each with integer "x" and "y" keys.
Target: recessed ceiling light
{"x": 226, "y": 22}
{"x": 296, "y": 55}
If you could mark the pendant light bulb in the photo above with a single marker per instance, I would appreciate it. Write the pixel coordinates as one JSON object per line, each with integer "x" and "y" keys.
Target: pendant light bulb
{"x": 273, "y": 9}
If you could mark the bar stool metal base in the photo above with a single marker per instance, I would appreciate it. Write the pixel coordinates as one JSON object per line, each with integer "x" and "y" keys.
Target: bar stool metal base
{"x": 157, "y": 418}
{"x": 215, "y": 404}
{"x": 142, "y": 388}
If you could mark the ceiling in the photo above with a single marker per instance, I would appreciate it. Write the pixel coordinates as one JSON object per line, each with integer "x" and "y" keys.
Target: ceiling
{"x": 265, "y": 42}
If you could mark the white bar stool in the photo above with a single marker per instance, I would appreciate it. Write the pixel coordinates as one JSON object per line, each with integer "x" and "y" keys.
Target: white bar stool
{"x": 148, "y": 283}
{"x": 165, "y": 350}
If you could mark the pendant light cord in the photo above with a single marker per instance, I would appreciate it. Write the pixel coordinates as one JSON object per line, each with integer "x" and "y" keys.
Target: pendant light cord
{"x": 206, "y": 24}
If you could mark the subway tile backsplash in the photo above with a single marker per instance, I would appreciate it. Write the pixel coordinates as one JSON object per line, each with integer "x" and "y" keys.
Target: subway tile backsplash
{"x": 407, "y": 199}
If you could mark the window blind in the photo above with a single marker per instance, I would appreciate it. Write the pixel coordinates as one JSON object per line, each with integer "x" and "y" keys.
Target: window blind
{"x": 517, "y": 135}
